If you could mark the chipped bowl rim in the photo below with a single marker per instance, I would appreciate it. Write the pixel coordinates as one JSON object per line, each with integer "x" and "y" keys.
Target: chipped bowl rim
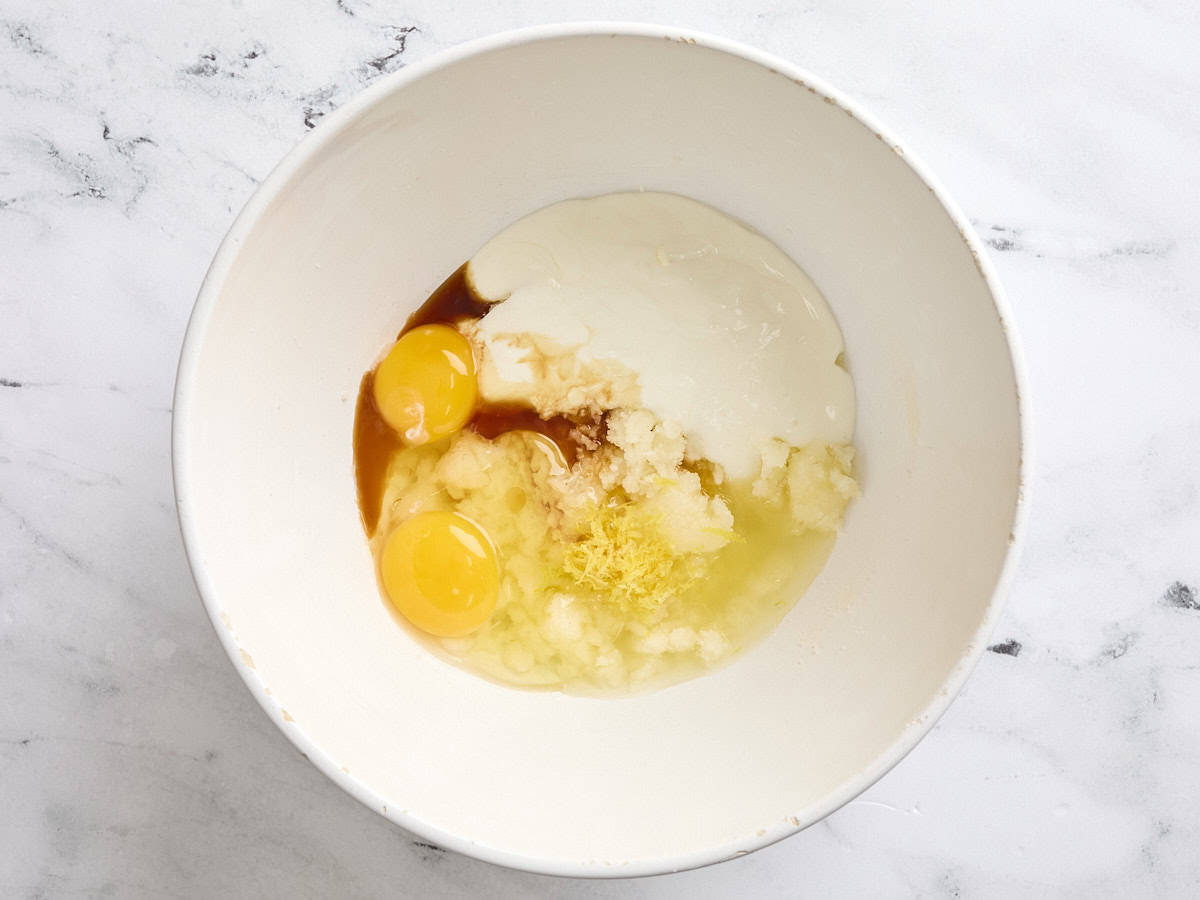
{"x": 329, "y": 130}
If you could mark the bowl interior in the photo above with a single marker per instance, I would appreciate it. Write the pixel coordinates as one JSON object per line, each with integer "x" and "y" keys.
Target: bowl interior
{"x": 362, "y": 222}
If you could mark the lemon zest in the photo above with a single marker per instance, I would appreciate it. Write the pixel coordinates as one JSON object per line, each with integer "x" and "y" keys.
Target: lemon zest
{"x": 624, "y": 558}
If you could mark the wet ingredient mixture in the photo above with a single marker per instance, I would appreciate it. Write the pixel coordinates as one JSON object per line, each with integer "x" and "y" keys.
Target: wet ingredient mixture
{"x": 611, "y": 450}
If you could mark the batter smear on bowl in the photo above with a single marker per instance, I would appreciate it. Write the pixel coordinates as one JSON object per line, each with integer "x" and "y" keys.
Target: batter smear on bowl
{"x": 611, "y": 450}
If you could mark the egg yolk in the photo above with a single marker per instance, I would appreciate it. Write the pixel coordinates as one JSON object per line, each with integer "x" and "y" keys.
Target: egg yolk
{"x": 425, "y": 387}
{"x": 440, "y": 571}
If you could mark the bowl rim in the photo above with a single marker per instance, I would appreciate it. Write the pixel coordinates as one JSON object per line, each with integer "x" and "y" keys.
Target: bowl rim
{"x": 328, "y": 130}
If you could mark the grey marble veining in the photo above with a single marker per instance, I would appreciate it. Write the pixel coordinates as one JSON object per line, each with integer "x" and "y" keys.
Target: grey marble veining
{"x": 132, "y": 761}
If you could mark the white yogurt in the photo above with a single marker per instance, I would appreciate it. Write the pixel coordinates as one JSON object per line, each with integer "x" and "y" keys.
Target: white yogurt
{"x": 728, "y": 337}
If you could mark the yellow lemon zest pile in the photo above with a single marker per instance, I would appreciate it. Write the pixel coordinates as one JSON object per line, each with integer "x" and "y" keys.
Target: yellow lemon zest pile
{"x": 624, "y": 558}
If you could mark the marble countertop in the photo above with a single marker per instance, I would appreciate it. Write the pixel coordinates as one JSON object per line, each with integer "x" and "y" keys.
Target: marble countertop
{"x": 133, "y": 763}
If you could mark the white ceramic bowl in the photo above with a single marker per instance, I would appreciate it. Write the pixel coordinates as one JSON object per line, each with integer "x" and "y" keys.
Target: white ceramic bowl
{"x": 356, "y": 227}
